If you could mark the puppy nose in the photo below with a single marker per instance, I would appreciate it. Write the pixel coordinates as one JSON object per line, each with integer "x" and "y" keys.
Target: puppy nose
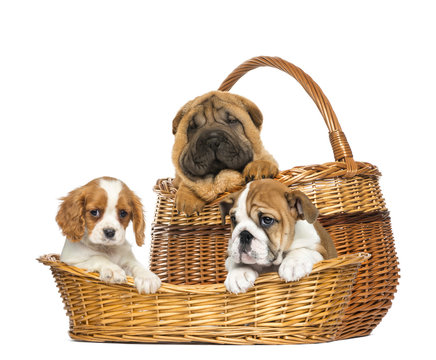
{"x": 213, "y": 141}
{"x": 109, "y": 233}
{"x": 245, "y": 237}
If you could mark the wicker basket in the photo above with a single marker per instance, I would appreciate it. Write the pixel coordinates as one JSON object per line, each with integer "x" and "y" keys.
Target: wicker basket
{"x": 273, "y": 312}
{"x": 192, "y": 250}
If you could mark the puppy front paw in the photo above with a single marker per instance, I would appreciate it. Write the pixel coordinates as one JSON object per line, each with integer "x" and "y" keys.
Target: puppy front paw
{"x": 147, "y": 283}
{"x": 188, "y": 203}
{"x": 113, "y": 274}
{"x": 240, "y": 280}
{"x": 296, "y": 266}
{"x": 227, "y": 180}
{"x": 260, "y": 169}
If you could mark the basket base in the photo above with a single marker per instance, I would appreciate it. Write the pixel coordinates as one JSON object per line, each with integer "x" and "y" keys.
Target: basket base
{"x": 230, "y": 336}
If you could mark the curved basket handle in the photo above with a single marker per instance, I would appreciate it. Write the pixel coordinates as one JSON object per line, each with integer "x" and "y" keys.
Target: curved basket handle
{"x": 341, "y": 148}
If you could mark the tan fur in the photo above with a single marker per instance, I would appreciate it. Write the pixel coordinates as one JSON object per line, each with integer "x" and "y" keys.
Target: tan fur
{"x": 193, "y": 195}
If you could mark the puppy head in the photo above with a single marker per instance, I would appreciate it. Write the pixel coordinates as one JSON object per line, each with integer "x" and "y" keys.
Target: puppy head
{"x": 215, "y": 131}
{"x": 263, "y": 218}
{"x": 101, "y": 211}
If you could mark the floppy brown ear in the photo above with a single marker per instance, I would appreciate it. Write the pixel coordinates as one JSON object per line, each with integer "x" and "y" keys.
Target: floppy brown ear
{"x": 179, "y": 116}
{"x": 70, "y": 216}
{"x": 253, "y": 111}
{"x": 137, "y": 219}
{"x": 304, "y": 207}
{"x": 226, "y": 204}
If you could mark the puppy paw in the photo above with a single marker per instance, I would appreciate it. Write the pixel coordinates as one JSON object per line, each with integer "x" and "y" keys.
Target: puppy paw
{"x": 296, "y": 266}
{"x": 147, "y": 283}
{"x": 113, "y": 274}
{"x": 227, "y": 180}
{"x": 188, "y": 203}
{"x": 240, "y": 280}
{"x": 260, "y": 169}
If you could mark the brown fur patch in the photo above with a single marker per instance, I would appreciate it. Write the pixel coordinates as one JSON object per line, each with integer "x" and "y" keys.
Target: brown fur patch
{"x": 130, "y": 202}
{"x": 74, "y": 214}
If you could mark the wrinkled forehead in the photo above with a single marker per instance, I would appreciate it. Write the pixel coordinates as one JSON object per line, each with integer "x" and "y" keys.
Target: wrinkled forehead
{"x": 214, "y": 108}
{"x": 215, "y": 99}
{"x": 266, "y": 200}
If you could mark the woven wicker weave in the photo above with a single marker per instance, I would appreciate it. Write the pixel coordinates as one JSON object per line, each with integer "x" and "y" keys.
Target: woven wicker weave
{"x": 273, "y": 312}
{"x": 192, "y": 250}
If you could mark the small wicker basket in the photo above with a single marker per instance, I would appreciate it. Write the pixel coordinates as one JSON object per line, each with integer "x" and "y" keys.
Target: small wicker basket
{"x": 192, "y": 250}
{"x": 272, "y": 312}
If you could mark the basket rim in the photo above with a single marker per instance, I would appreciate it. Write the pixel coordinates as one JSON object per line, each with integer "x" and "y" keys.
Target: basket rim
{"x": 53, "y": 260}
{"x": 297, "y": 174}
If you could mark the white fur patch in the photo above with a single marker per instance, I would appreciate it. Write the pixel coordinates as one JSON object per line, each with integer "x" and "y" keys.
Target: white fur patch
{"x": 302, "y": 255}
{"x": 259, "y": 244}
{"x": 113, "y": 189}
{"x": 110, "y": 216}
{"x": 298, "y": 263}
{"x": 305, "y": 236}
{"x": 240, "y": 277}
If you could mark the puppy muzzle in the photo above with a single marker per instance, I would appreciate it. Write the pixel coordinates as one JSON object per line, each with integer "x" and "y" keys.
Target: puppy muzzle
{"x": 248, "y": 248}
{"x": 215, "y": 150}
{"x": 108, "y": 234}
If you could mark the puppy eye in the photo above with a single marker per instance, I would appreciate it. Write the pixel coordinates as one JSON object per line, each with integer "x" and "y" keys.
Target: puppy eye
{"x": 266, "y": 221}
{"x": 123, "y": 213}
{"x": 233, "y": 220}
{"x": 95, "y": 212}
{"x": 192, "y": 125}
{"x": 231, "y": 119}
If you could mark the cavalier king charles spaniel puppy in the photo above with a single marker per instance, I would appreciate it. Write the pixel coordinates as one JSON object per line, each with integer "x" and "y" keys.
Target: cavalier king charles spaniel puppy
{"x": 94, "y": 219}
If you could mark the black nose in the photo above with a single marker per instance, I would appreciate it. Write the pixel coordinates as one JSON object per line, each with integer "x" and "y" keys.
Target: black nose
{"x": 214, "y": 141}
{"x": 109, "y": 233}
{"x": 245, "y": 237}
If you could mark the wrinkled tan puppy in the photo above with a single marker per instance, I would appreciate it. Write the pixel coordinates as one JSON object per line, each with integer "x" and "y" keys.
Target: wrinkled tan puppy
{"x": 217, "y": 147}
{"x": 273, "y": 229}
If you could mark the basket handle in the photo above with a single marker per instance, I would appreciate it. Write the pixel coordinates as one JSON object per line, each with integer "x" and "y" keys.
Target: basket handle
{"x": 341, "y": 148}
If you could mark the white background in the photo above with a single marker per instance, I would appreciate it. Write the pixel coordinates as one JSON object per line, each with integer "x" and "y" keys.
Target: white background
{"x": 89, "y": 88}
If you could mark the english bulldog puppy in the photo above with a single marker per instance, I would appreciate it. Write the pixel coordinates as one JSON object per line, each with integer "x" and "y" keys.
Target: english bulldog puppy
{"x": 217, "y": 147}
{"x": 273, "y": 229}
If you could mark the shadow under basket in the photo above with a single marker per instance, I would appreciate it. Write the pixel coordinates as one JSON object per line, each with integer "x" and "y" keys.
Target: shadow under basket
{"x": 272, "y": 312}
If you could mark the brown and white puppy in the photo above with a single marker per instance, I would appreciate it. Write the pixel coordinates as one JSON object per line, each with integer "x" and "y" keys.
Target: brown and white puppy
{"x": 217, "y": 148}
{"x": 94, "y": 218}
{"x": 273, "y": 229}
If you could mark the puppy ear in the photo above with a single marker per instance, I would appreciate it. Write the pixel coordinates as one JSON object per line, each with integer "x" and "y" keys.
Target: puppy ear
{"x": 301, "y": 203}
{"x": 70, "y": 216}
{"x": 226, "y": 204}
{"x": 253, "y": 111}
{"x": 179, "y": 116}
{"x": 137, "y": 219}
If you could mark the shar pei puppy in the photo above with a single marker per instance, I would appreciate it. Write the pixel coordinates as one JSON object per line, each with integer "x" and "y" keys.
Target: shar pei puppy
{"x": 217, "y": 148}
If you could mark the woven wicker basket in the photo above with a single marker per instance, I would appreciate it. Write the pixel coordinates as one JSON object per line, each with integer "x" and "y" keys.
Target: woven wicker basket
{"x": 273, "y": 312}
{"x": 192, "y": 250}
